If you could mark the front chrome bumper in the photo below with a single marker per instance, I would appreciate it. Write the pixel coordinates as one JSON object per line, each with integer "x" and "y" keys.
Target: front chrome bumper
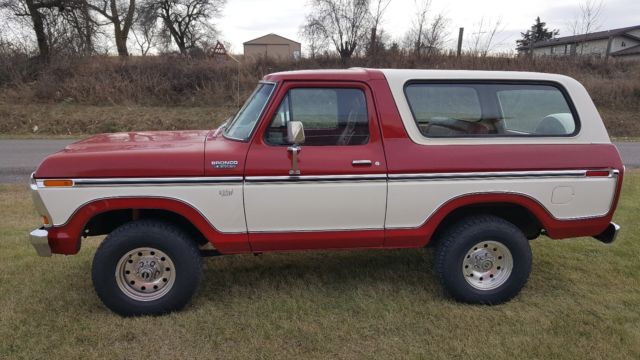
{"x": 40, "y": 240}
{"x": 609, "y": 234}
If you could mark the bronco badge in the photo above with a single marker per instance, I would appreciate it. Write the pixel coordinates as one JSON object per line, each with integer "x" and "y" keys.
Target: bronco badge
{"x": 224, "y": 164}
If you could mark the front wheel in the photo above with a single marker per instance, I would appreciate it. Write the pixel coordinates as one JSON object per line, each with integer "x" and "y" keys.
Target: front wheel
{"x": 146, "y": 267}
{"x": 483, "y": 260}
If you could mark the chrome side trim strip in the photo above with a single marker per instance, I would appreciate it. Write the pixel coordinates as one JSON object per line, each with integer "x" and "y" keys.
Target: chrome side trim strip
{"x": 153, "y": 181}
{"x": 39, "y": 183}
{"x": 488, "y": 175}
{"x": 316, "y": 178}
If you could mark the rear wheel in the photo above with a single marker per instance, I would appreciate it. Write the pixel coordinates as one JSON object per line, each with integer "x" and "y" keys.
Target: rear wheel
{"x": 483, "y": 260}
{"x": 146, "y": 267}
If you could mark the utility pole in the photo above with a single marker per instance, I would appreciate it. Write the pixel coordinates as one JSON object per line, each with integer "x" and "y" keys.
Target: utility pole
{"x": 460, "y": 41}
{"x": 237, "y": 79}
{"x": 220, "y": 54}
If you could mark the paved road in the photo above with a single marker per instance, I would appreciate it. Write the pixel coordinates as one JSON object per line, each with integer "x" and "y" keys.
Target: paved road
{"x": 630, "y": 152}
{"x": 18, "y": 158}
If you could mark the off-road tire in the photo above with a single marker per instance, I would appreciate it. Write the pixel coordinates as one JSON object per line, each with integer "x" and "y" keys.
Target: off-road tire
{"x": 184, "y": 267}
{"x": 455, "y": 250}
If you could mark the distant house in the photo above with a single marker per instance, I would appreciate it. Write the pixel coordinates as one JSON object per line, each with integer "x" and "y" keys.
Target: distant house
{"x": 620, "y": 43}
{"x": 272, "y": 46}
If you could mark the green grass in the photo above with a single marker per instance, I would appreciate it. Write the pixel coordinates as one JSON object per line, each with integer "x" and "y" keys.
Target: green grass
{"x": 582, "y": 301}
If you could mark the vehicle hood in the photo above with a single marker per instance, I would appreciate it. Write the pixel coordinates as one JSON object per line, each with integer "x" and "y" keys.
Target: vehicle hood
{"x": 131, "y": 154}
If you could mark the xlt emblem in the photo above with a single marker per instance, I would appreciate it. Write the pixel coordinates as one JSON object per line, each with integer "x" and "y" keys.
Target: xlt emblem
{"x": 226, "y": 192}
{"x": 224, "y": 164}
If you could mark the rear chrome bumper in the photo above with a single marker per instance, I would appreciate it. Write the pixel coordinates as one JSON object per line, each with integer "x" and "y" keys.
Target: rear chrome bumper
{"x": 40, "y": 240}
{"x": 609, "y": 235}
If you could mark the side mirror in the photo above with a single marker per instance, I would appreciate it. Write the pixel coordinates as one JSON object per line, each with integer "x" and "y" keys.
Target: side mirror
{"x": 295, "y": 132}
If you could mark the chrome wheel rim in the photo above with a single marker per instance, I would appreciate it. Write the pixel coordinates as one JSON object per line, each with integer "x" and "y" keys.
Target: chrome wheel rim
{"x": 487, "y": 265}
{"x": 145, "y": 274}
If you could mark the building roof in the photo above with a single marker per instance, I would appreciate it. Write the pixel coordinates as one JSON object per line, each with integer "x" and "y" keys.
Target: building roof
{"x": 584, "y": 37}
{"x": 632, "y": 50}
{"x": 270, "y": 39}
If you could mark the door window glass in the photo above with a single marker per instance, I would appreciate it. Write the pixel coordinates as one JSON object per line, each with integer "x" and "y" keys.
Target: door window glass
{"x": 330, "y": 116}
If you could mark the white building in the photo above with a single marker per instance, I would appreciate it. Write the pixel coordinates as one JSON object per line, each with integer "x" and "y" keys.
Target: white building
{"x": 621, "y": 43}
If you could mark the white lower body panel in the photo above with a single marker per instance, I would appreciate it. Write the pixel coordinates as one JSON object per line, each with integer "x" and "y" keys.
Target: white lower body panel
{"x": 412, "y": 202}
{"x": 220, "y": 204}
{"x": 315, "y": 206}
{"x": 356, "y": 204}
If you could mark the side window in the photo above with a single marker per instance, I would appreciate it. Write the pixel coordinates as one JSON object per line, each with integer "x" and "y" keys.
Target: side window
{"x": 484, "y": 110}
{"x": 331, "y": 116}
{"x": 539, "y": 110}
{"x": 445, "y": 110}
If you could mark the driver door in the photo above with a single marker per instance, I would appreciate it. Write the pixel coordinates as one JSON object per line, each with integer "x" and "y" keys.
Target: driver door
{"x": 338, "y": 199}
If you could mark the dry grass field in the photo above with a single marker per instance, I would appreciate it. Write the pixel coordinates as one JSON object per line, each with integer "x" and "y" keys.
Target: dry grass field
{"x": 51, "y": 120}
{"x": 582, "y": 302}
{"x": 77, "y": 96}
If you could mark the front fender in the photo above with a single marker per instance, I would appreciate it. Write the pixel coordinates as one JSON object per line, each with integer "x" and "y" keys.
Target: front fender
{"x": 65, "y": 239}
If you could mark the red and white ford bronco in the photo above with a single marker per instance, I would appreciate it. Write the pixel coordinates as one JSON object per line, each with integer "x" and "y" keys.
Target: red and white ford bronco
{"x": 475, "y": 163}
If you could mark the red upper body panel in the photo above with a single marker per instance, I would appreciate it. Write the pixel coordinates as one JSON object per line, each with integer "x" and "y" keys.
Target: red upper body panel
{"x": 134, "y": 154}
{"x": 356, "y": 74}
{"x": 219, "y": 148}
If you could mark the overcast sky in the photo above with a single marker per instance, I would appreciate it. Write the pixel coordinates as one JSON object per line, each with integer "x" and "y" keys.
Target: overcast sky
{"x": 243, "y": 20}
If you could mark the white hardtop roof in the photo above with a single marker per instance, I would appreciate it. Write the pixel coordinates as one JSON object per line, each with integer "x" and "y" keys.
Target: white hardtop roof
{"x": 591, "y": 130}
{"x": 407, "y": 74}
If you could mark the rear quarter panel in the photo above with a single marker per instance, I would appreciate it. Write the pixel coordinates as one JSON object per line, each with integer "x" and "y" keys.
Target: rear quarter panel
{"x": 567, "y": 206}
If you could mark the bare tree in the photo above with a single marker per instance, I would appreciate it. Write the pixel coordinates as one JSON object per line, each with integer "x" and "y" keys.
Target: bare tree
{"x": 589, "y": 17}
{"x": 484, "y": 38}
{"x": 342, "y": 22}
{"x": 316, "y": 40}
{"x": 376, "y": 20}
{"x": 587, "y": 20}
{"x": 145, "y": 30}
{"x": 56, "y": 24}
{"x": 187, "y": 22}
{"x": 120, "y": 13}
{"x": 426, "y": 36}
{"x": 436, "y": 35}
{"x": 83, "y": 26}
{"x": 414, "y": 38}
{"x": 13, "y": 37}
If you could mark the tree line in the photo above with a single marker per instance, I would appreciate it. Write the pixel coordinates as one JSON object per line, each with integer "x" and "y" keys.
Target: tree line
{"x": 348, "y": 26}
{"x": 73, "y": 25}
{"x": 344, "y": 27}
{"x": 356, "y": 26}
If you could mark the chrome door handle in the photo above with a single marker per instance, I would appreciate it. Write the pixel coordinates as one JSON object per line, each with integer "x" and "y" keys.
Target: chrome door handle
{"x": 361, "y": 163}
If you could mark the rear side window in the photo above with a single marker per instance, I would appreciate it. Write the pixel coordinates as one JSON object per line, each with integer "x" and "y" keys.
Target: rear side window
{"x": 485, "y": 110}
{"x": 540, "y": 110}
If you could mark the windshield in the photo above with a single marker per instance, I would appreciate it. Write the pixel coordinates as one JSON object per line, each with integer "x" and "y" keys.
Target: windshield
{"x": 245, "y": 120}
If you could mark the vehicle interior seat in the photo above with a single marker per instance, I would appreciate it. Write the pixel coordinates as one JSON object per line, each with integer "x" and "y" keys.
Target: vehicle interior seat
{"x": 556, "y": 124}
